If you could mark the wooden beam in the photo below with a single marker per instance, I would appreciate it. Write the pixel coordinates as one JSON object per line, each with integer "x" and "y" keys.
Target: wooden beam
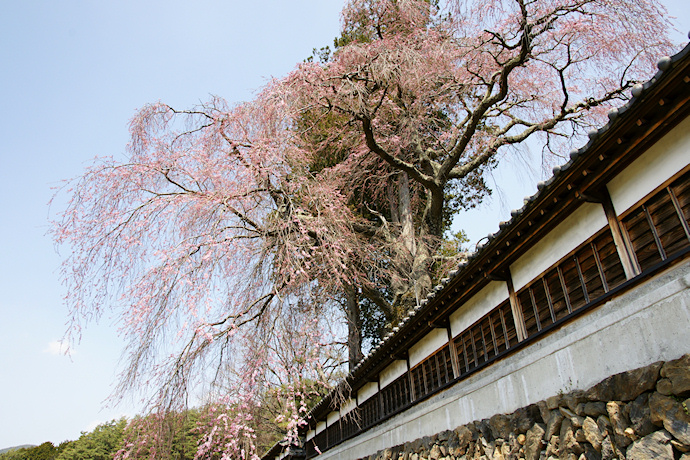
{"x": 620, "y": 237}
{"x": 409, "y": 379}
{"x": 453, "y": 353}
{"x": 401, "y": 355}
{"x": 519, "y": 320}
{"x": 440, "y": 323}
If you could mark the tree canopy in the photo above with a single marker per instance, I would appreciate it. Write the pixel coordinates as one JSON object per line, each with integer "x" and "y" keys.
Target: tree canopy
{"x": 244, "y": 247}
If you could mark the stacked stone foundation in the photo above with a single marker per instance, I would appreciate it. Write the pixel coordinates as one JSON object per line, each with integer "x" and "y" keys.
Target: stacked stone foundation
{"x": 638, "y": 414}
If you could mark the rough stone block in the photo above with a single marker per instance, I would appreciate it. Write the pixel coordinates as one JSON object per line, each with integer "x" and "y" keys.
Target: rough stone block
{"x": 592, "y": 433}
{"x": 678, "y": 372}
{"x": 567, "y": 442}
{"x": 464, "y": 438}
{"x": 664, "y": 386}
{"x": 626, "y": 386}
{"x": 679, "y": 446}
{"x": 619, "y": 422}
{"x": 544, "y": 411}
{"x": 590, "y": 454}
{"x": 572, "y": 399}
{"x": 639, "y": 414}
{"x": 533, "y": 441}
{"x": 443, "y": 436}
{"x": 566, "y": 412}
{"x": 553, "y": 425}
{"x": 670, "y": 413}
{"x": 523, "y": 418}
{"x": 604, "y": 424}
{"x": 484, "y": 428}
{"x": 552, "y": 447}
{"x": 580, "y": 409}
{"x": 607, "y": 450}
{"x": 553, "y": 402}
{"x": 595, "y": 409}
{"x": 500, "y": 426}
{"x": 656, "y": 445}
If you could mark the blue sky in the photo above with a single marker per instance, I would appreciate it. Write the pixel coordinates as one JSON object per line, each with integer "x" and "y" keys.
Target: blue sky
{"x": 72, "y": 73}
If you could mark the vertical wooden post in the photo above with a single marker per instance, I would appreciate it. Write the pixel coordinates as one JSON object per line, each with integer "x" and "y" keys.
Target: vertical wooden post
{"x": 679, "y": 211}
{"x": 325, "y": 430}
{"x": 620, "y": 237}
{"x": 358, "y": 416}
{"x": 520, "y": 328}
{"x": 453, "y": 353}
{"x": 380, "y": 396}
{"x": 409, "y": 378}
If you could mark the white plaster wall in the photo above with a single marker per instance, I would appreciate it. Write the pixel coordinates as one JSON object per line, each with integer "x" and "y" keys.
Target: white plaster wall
{"x": 658, "y": 164}
{"x": 392, "y": 372}
{"x": 367, "y": 391}
{"x": 320, "y": 426}
{"x": 311, "y": 434}
{"x": 349, "y": 405}
{"x": 332, "y": 418}
{"x": 427, "y": 345}
{"x": 588, "y": 219}
{"x": 642, "y": 326}
{"x": 479, "y": 305}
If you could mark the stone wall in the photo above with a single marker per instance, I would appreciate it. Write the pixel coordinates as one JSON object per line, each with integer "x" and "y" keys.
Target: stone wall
{"x": 634, "y": 415}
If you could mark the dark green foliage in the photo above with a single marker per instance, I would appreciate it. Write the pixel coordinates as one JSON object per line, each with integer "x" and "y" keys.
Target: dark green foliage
{"x": 322, "y": 55}
{"x": 100, "y": 444}
{"x": 376, "y": 322}
{"x": 16, "y": 454}
{"x": 46, "y": 451}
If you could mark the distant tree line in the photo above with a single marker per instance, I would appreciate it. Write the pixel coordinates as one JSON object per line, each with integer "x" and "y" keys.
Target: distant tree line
{"x": 113, "y": 439}
{"x": 100, "y": 444}
{"x": 173, "y": 435}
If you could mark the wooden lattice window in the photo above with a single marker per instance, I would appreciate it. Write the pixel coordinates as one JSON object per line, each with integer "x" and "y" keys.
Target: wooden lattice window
{"x": 486, "y": 339}
{"x": 553, "y": 287}
{"x": 642, "y": 238}
{"x": 592, "y": 277}
{"x": 583, "y": 276}
{"x": 432, "y": 373}
{"x": 572, "y": 278}
{"x": 334, "y": 434}
{"x": 681, "y": 191}
{"x": 658, "y": 228}
{"x": 610, "y": 262}
{"x": 396, "y": 395}
{"x": 321, "y": 441}
{"x": 370, "y": 411}
{"x": 311, "y": 448}
{"x": 349, "y": 423}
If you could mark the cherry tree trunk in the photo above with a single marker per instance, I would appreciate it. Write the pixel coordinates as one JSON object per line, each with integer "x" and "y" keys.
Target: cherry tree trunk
{"x": 354, "y": 327}
{"x": 418, "y": 282}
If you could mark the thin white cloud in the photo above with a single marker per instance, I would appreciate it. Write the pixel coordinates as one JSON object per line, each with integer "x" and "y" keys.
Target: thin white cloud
{"x": 56, "y": 347}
